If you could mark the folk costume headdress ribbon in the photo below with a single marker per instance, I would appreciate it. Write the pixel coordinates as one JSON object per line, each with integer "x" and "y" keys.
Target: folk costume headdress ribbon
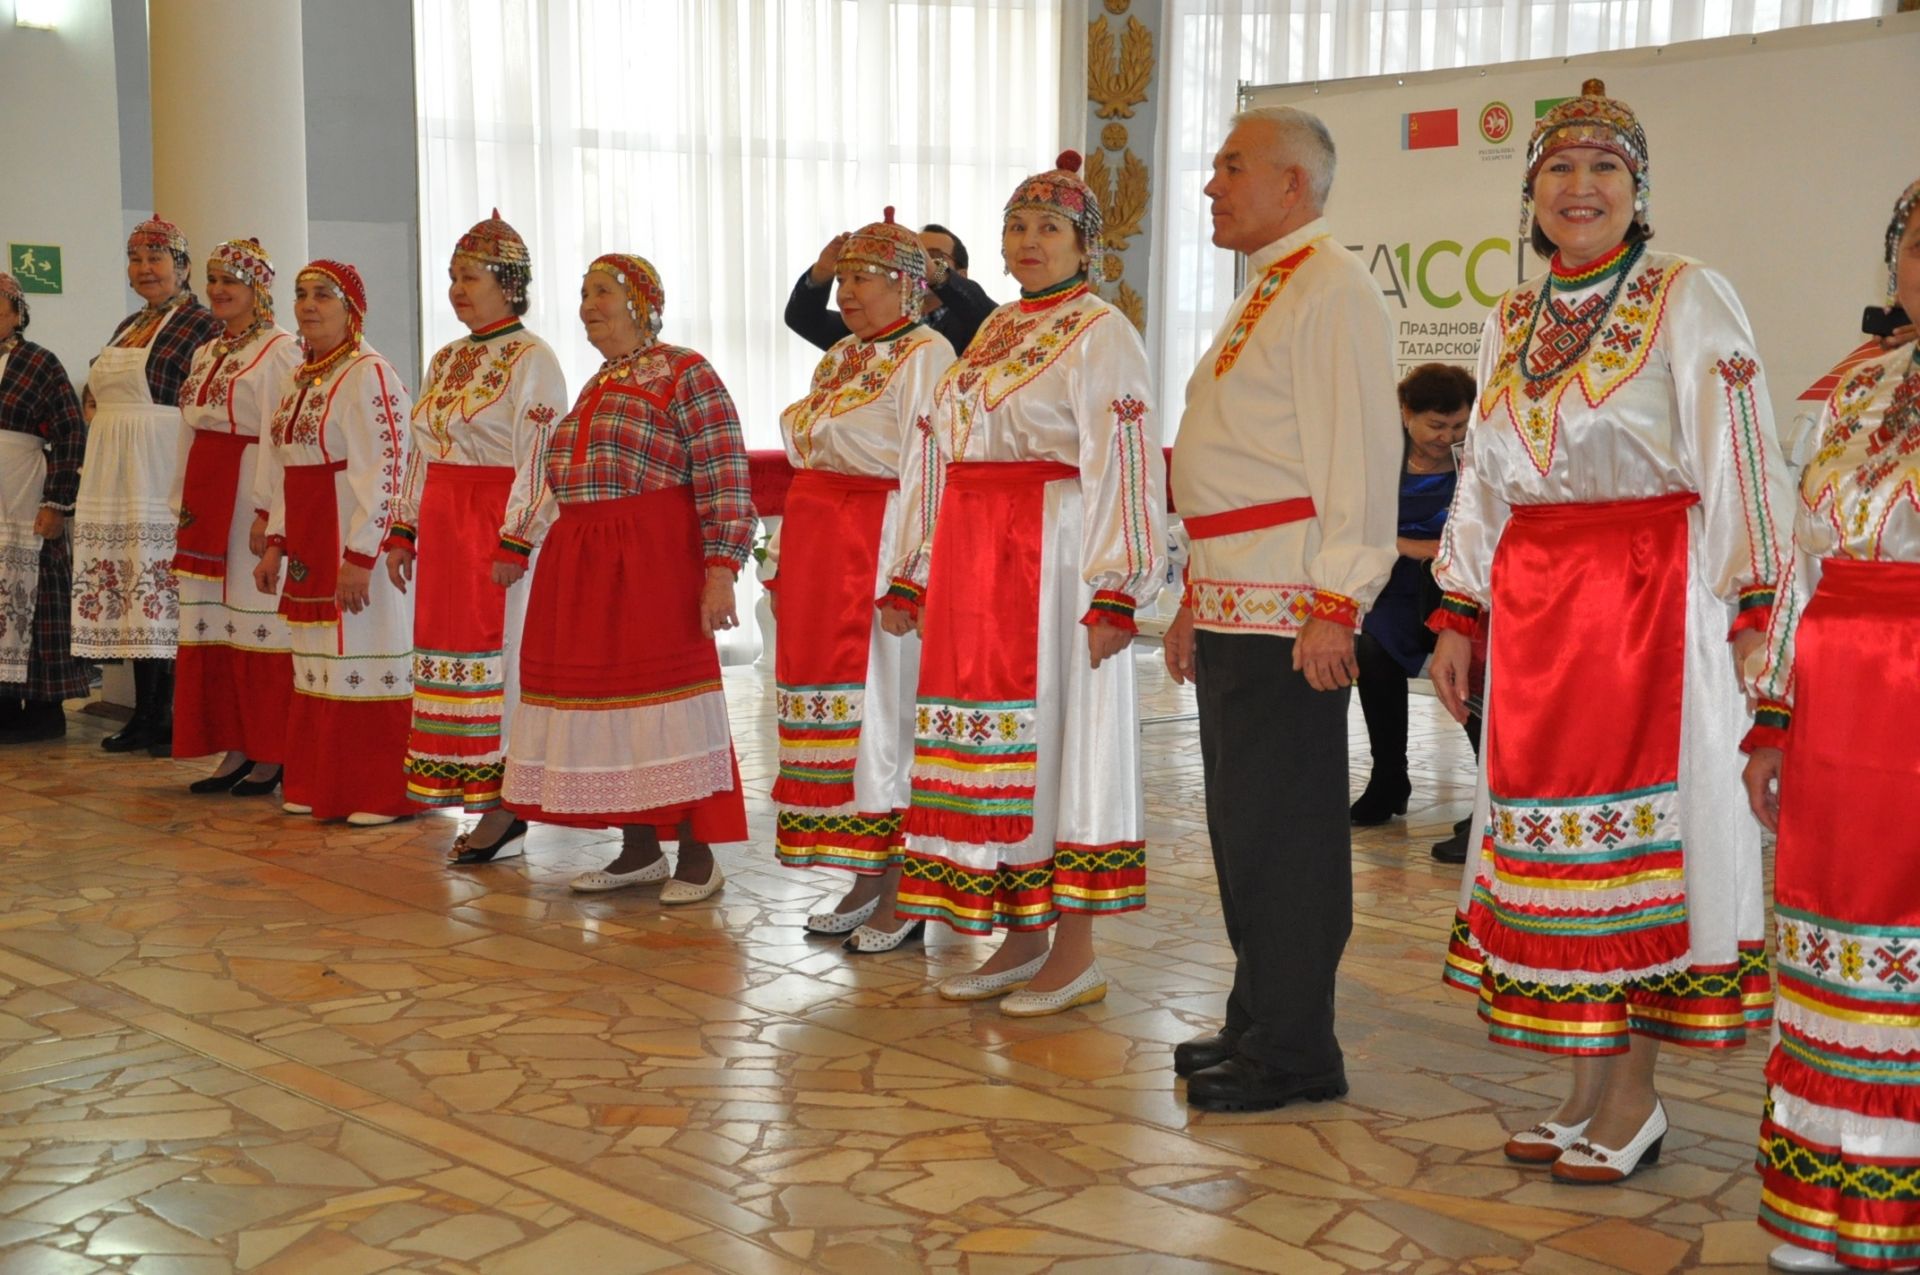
{"x": 346, "y": 281}
{"x": 646, "y": 298}
{"x": 1896, "y": 231}
{"x": 499, "y": 249}
{"x": 1061, "y": 191}
{"x": 891, "y": 250}
{"x": 1596, "y": 120}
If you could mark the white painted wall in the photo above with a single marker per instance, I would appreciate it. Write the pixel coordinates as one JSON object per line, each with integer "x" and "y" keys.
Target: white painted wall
{"x": 60, "y": 172}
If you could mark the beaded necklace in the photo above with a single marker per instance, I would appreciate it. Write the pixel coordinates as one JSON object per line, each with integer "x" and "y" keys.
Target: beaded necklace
{"x": 613, "y": 369}
{"x": 314, "y": 371}
{"x": 1619, "y": 263}
{"x": 226, "y": 343}
{"x": 147, "y": 320}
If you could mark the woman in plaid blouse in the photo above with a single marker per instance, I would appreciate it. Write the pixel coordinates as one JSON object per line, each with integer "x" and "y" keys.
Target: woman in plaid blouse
{"x": 621, "y": 721}
{"x": 42, "y": 437}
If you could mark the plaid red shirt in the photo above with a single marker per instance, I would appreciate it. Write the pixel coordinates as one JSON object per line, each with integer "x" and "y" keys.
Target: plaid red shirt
{"x": 37, "y": 398}
{"x": 661, "y": 419}
{"x": 171, "y": 354}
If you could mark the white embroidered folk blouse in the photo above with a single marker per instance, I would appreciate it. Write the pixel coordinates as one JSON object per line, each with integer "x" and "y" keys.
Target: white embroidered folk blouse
{"x": 491, "y": 398}
{"x": 1064, "y": 379}
{"x": 1666, "y": 397}
{"x": 1294, "y": 399}
{"x": 870, "y": 404}
{"x": 356, "y": 413}
{"x": 1859, "y": 499}
{"x": 234, "y": 392}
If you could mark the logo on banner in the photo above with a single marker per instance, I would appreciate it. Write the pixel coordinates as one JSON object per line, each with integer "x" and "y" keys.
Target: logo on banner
{"x": 1496, "y": 122}
{"x": 1429, "y": 130}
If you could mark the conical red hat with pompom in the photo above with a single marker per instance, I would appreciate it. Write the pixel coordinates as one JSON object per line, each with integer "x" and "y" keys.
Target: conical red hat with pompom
{"x": 1060, "y": 190}
{"x": 886, "y": 248}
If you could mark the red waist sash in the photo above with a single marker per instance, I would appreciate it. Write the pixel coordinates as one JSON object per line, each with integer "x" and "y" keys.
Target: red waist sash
{"x": 313, "y": 545}
{"x": 207, "y": 498}
{"x": 1252, "y": 518}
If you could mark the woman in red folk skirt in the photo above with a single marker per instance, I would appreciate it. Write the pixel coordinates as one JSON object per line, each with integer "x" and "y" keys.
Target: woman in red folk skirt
{"x": 622, "y": 722}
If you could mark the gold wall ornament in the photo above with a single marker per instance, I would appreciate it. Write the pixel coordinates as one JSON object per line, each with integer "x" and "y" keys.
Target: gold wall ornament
{"x": 1114, "y": 137}
{"x": 1112, "y": 267}
{"x": 1129, "y": 303}
{"x": 1118, "y": 83}
{"x": 1117, "y": 7}
{"x": 1124, "y": 203}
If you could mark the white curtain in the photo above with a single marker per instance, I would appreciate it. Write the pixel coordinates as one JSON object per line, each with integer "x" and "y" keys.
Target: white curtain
{"x": 725, "y": 141}
{"x": 1214, "y": 45}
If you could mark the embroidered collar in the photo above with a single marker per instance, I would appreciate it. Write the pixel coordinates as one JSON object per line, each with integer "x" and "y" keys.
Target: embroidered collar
{"x": 505, "y": 327}
{"x": 1059, "y": 294}
{"x": 1286, "y": 245}
{"x": 1571, "y": 278}
{"x": 899, "y": 328}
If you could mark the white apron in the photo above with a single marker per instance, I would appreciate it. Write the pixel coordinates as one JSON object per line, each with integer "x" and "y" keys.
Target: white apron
{"x": 23, "y": 474}
{"x": 125, "y": 601}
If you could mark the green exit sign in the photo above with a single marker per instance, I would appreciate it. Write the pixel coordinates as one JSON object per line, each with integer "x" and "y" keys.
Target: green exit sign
{"x": 35, "y": 265}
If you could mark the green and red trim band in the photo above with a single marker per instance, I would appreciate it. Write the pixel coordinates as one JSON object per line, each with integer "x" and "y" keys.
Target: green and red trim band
{"x": 1771, "y": 722}
{"x": 1110, "y": 606}
{"x": 902, "y": 595}
{"x": 1456, "y": 612}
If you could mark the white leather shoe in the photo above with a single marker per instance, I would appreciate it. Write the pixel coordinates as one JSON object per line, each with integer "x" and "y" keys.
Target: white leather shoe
{"x": 1089, "y": 987}
{"x": 1791, "y": 1257}
{"x": 867, "y": 940}
{"x": 295, "y": 808}
{"x": 1589, "y": 1164}
{"x": 980, "y": 987}
{"x": 599, "y": 881}
{"x": 363, "y": 819}
{"x": 842, "y": 922}
{"x": 1543, "y": 1143}
{"x": 676, "y": 891}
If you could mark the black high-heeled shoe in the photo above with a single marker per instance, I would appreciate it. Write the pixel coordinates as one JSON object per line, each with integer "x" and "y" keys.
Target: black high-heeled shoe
{"x": 465, "y": 854}
{"x": 1384, "y": 798}
{"x": 222, "y": 783}
{"x": 258, "y": 787}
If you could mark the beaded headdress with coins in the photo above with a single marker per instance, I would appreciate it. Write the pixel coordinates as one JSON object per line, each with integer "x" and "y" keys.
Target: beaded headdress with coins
{"x": 1060, "y": 190}
{"x": 498, "y": 247}
{"x": 157, "y": 232}
{"x": 891, "y": 250}
{"x": 10, "y": 289}
{"x": 1896, "y": 231}
{"x": 248, "y": 262}
{"x": 646, "y": 297}
{"x": 1596, "y": 120}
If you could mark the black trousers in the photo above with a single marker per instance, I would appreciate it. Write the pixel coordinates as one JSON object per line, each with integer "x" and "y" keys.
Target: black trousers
{"x": 1274, "y": 753}
{"x": 1383, "y": 699}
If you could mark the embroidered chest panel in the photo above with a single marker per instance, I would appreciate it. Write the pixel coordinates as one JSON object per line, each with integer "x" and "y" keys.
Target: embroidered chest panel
{"x": 1006, "y": 355}
{"x": 1540, "y": 360}
{"x": 465, "y": 380}
{"x": 1263, "y": 296}
{"x": 1868, "y": 459}
{"x": 210, "y": 384}
{"x": 301, "y": 418}
{"x": 848, "y": 378}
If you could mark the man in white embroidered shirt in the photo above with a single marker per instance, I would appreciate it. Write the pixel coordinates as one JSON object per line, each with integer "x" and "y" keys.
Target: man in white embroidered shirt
{"x": 1286, "y": 471}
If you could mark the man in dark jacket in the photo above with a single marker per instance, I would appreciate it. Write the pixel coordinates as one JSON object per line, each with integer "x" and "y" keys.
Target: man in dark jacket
{"x": 963, "y": 304}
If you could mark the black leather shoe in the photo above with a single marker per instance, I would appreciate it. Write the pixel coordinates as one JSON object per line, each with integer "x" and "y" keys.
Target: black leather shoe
{"x": 1241, "y": 1084}
{"x": 1385, "y": 797}
{"x": 465, "y": 854}
{"x": 131, "y": 738}
{"x": 1454, "y": 848}
{"x": 39, "y": 720}
{"x": 221, "y": 783}
{"x": 1203, "y": 1052}
{"x": 257, "y": 787}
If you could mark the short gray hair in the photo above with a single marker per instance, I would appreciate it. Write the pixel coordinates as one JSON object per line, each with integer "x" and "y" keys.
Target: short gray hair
{"x": 1303, "y": 139}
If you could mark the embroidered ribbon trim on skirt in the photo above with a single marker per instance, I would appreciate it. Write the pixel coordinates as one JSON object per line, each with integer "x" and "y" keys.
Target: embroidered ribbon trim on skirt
{"x": 207, "y": 497}
{"x": 974, "y": 756}
{"x": 1840, "y": 1148}
{"x": 454, "y": 755}
{"x": 829, "y": 563}
{"x": 313, "y": 545}
{"x": 1577, "y": 926}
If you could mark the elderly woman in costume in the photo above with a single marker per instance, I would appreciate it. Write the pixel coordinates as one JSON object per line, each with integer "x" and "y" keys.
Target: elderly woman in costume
{"x": 465, "y": 532}
{"x": 125, "y": 600}
{"x": 845, "y": 688}
{"x": 42, "y": 436}
{"x": 235, "y": 676}
{"x": 1044, "y": 463}
{"x": 622, "y": 722}
{"x": 1620, "y": 481}
{"x": 1834, "y": 769}
{"x": 332, "y": 473}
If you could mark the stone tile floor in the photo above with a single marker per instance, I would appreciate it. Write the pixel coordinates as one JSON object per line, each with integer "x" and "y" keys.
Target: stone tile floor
{"x": 231, "y": 1040}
